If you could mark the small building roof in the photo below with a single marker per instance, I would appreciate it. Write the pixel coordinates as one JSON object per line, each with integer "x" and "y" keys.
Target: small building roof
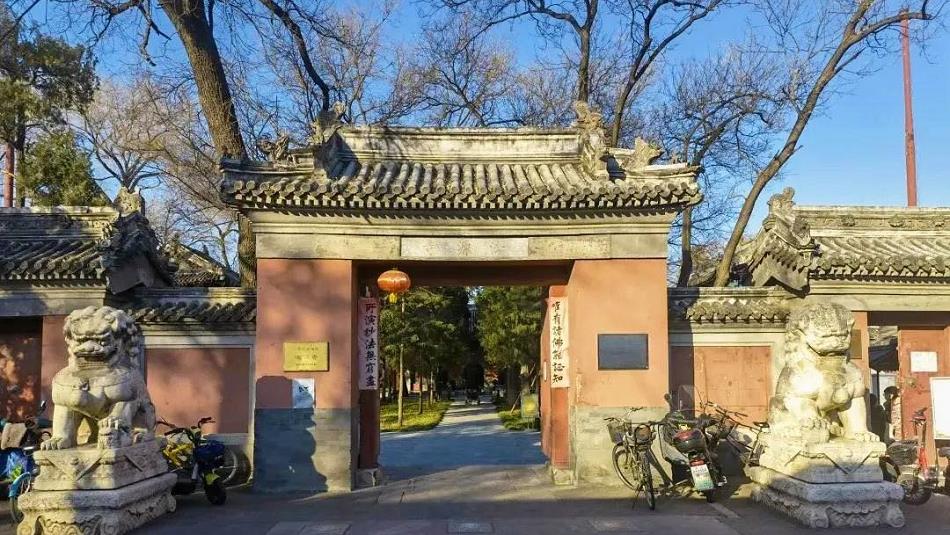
{"x": 201, "y": 308}
{"x": 801, "y": 245}
{"x": 198, "y": 268}
{"x": 80, "y": 245}
{"x": 467, "y": 170}
{"x": 729, "y": 306}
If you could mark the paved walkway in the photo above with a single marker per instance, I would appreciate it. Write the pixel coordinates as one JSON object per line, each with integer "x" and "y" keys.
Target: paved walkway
{"x": 495, "y": 500}
{"x": 489, "y": 498}
{"x": 469, "y": 435}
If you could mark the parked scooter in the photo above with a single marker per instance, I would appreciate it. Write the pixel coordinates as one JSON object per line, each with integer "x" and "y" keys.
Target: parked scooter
{"x": 697, "y": 441}
{"x": 906, "y": 464}
{"x": 17, "y": 469}
{"x": 198, "y": 460}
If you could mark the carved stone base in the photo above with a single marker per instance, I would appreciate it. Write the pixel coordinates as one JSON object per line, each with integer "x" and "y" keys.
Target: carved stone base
{"x": 828, "y": 505}
{"x": 837, "y": 461}
{"x": 93, "y": 468}
{"x": 95, "y": 512}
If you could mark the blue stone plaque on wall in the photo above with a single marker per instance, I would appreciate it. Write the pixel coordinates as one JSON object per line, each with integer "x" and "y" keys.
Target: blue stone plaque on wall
{"x": 622, "y": 352}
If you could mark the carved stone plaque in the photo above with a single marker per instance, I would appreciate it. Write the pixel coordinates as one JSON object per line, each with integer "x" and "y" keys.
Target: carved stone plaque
{"x": 622, "y": 352}
{"x": 306, "y": 356}
{"x": 465, "y": 248}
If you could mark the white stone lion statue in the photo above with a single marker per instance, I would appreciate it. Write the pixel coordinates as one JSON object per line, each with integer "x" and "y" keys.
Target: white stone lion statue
{"x": 102, "y": 383}
{"x": 820, "y": 392}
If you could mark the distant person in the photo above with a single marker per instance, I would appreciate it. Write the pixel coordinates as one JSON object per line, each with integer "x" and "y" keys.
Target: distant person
{"x": 474, "y": 377}
{"x": 877, "y": 417}
{"x": 892, "y": 413}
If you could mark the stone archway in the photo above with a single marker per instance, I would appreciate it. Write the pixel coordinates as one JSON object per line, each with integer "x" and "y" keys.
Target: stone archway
{"x": 465, "y": 206}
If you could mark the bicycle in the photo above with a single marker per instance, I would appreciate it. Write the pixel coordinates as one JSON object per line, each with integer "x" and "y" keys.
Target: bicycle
{"x": 748, "y": 454}
{"x": 631, "y": 454}
{"x": 198, "y": 460}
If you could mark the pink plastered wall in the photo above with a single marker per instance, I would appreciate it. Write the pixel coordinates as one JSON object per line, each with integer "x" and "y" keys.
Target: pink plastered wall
{"x": 190, "y": 383}
{"x": 618, "y": 297}
{"x": 304, "y": 300}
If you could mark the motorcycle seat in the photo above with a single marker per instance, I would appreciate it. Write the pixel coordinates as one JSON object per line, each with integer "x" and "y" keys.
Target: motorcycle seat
{"x": 944, "y": 451}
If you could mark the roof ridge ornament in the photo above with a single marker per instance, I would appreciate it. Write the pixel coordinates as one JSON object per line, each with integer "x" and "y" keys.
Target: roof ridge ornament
{"x": 782, "y": 202}
{"x": 328, "y": 122}
{"x": 594, "y": 153}
{"x": 128, "y": 202}
{"x": 275, "y": 151}
{"x": 643, "y": 154}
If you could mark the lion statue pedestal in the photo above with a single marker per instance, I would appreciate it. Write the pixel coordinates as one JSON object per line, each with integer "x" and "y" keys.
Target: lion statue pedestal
{"x": 118, "y": 480}
{"x": 819, "y": 462}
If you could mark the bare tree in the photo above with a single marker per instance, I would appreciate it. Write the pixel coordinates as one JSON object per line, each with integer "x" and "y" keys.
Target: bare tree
{"x": 654, "y": 25}
{"x": 122, "y": 134}
{"x": 820, "y": 44}
{"x": 576, "y": 17}
{"x": 464, "y": 79}
{"x": 651, "y": 28}
{"x": 720, "y": 113}
{"x": 375, "y": 83}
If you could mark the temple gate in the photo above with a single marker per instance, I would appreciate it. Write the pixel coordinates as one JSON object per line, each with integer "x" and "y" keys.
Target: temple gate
{"x": 454, "y": 207}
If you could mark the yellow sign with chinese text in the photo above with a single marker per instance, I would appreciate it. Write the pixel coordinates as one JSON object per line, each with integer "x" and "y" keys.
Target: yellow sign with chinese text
{"x": 306, "y": 356}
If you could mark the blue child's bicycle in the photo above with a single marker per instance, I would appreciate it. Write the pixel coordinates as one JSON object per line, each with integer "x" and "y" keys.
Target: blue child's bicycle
{"x": 17, "y": 469}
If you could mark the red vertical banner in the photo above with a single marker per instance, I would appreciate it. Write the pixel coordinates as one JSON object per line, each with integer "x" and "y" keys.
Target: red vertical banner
{"x": 367, "y": 341}
{"x": 560, "y": 363}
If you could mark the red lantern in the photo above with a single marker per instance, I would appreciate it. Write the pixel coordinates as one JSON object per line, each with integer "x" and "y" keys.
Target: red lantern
{"x": 393, "y": 282}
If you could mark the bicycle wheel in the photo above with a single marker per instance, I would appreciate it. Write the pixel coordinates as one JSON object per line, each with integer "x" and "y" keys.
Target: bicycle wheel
{"x": 229, "y": 468}
{"x": 625, "y": 464}
{"x": 15, "y": 511}
{"x": 647, "y": 478}
{"x": 915, "y": 489}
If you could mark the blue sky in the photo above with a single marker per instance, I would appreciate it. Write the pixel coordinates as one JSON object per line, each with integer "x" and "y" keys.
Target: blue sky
{"x": 851, "y": 153}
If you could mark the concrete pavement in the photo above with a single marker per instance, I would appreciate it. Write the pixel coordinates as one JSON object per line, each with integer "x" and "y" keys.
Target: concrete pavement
{"x": 511, "y": 495}
{"x": 469, "y": 435}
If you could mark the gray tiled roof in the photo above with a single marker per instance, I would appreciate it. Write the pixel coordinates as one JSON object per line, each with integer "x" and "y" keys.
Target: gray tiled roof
{"x": 901, "y": 256}
{"x": 37, "y": 260}
{"x": 799, "y": 245}
{"x": 194, "y": 306}
{"x": 75, "y": 244}
{"x": 460, "y": 170}
{"x": 198, "y": 268}
{"x": 729, "y": 305}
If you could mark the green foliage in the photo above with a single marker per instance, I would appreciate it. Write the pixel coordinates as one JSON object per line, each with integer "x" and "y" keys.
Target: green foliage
{"x": 512, "y": 421}
{"x": 56, "y": 172}
{"x": 431, "y": 329}
{"x": 41, "y": 78}
{"x": 509, "y": 324}
{"x": 431, "y": 416}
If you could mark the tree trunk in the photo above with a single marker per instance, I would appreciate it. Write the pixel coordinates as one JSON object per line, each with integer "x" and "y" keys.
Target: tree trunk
{"x": 431, "y": 387}
{"x": 214, "y": 93}
{"x": 686, "y": 249}
{"x": 620, "y": 105}
{"x": 19, "y": 151}
{"x": 421, "y": 397}
{"x": 247, "y": 252}
{"x": 217, "y": 104}
{"x": 511, "y": 384}
{"x": 401, "y": 393}
{"x": 583, "y": 65}
{"x": 8, "y": 174}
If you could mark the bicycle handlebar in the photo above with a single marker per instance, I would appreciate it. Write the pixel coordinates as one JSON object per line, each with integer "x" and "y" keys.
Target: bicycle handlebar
{"x": 192, "y": 432}
{"x": 725, "y": 411}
